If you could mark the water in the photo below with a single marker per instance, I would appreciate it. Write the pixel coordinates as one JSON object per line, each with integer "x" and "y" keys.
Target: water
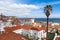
{"x": 57, "y": 20}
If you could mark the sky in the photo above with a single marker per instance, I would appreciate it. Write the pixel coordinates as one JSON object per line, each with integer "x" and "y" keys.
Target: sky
{"x": 29, "y": 8}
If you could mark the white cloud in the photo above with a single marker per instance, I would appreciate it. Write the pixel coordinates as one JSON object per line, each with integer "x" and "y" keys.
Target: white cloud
{"x": 8, "y": 0}
{"x": 41, "y": 5}
{"x": 21, "y": 10}
{"x": 55, "y": 15}
{"x": 8, "y": 7}
{"x": 53, "y": 3}
{"x": 25, "y": 6}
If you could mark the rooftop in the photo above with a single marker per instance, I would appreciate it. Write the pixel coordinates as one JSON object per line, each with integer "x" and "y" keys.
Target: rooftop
{"x": 57, "y": 38}
{"x": 12, "y": 36}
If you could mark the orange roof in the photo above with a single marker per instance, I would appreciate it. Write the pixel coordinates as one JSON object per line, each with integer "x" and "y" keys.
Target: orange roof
{"x": 26, "y": 27}
{"x": 10, "y": 29}
{"x": 12, "y": 36}
{"x": 34, "y": 28}
{"x": 58, "y": 38}
{"x": 43, "y": 28}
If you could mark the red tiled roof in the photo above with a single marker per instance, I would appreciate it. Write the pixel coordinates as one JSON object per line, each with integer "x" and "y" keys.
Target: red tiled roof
{"x": 9, "y": 35}
{"x": 12, "y": 36}
{"x": 58, "y": 38}
{"x": 10, "y": 29}
{"x": 26, "y": 27}
{"x": 36, "y": 29}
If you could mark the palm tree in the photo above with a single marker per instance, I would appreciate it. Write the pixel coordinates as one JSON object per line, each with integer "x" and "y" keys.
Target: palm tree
{"x": 47, "y": 10}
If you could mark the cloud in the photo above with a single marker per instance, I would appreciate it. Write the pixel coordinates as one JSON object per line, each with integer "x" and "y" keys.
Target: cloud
{"x": 14, "y": 9}
{"x": 11, "y": 8}
{"x": 43, "y": 4}
{"x": 25, "y": 6}
{"x": 53, "y": 3}
{"x": 55, "y": 15}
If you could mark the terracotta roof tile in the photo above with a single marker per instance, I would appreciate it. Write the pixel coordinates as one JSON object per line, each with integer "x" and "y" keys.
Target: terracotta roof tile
{"x": 58, "y": 38}
{"x": 12, "y": 36}
{"x": 26, "y": 27}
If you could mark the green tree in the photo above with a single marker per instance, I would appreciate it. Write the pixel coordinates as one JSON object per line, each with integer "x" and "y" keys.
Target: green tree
{"x": 37, "y": 38}
{"x": 27, "y": 35}
{"x": 47, "y": 10}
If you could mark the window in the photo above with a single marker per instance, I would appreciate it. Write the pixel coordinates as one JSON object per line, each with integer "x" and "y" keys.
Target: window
{"x": 34, "y": 33}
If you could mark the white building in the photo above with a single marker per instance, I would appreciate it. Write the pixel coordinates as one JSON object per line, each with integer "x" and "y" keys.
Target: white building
{"x": 3, "y": 25}
{"x": 32, "y": 20}
{"x": 55, "y": 24}
{"x": 56, "y": 36}
{"x": 32, "y": 34}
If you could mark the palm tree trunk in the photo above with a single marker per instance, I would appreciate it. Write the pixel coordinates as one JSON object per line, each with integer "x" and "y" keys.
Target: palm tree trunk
{"x": 47, "y": 29}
